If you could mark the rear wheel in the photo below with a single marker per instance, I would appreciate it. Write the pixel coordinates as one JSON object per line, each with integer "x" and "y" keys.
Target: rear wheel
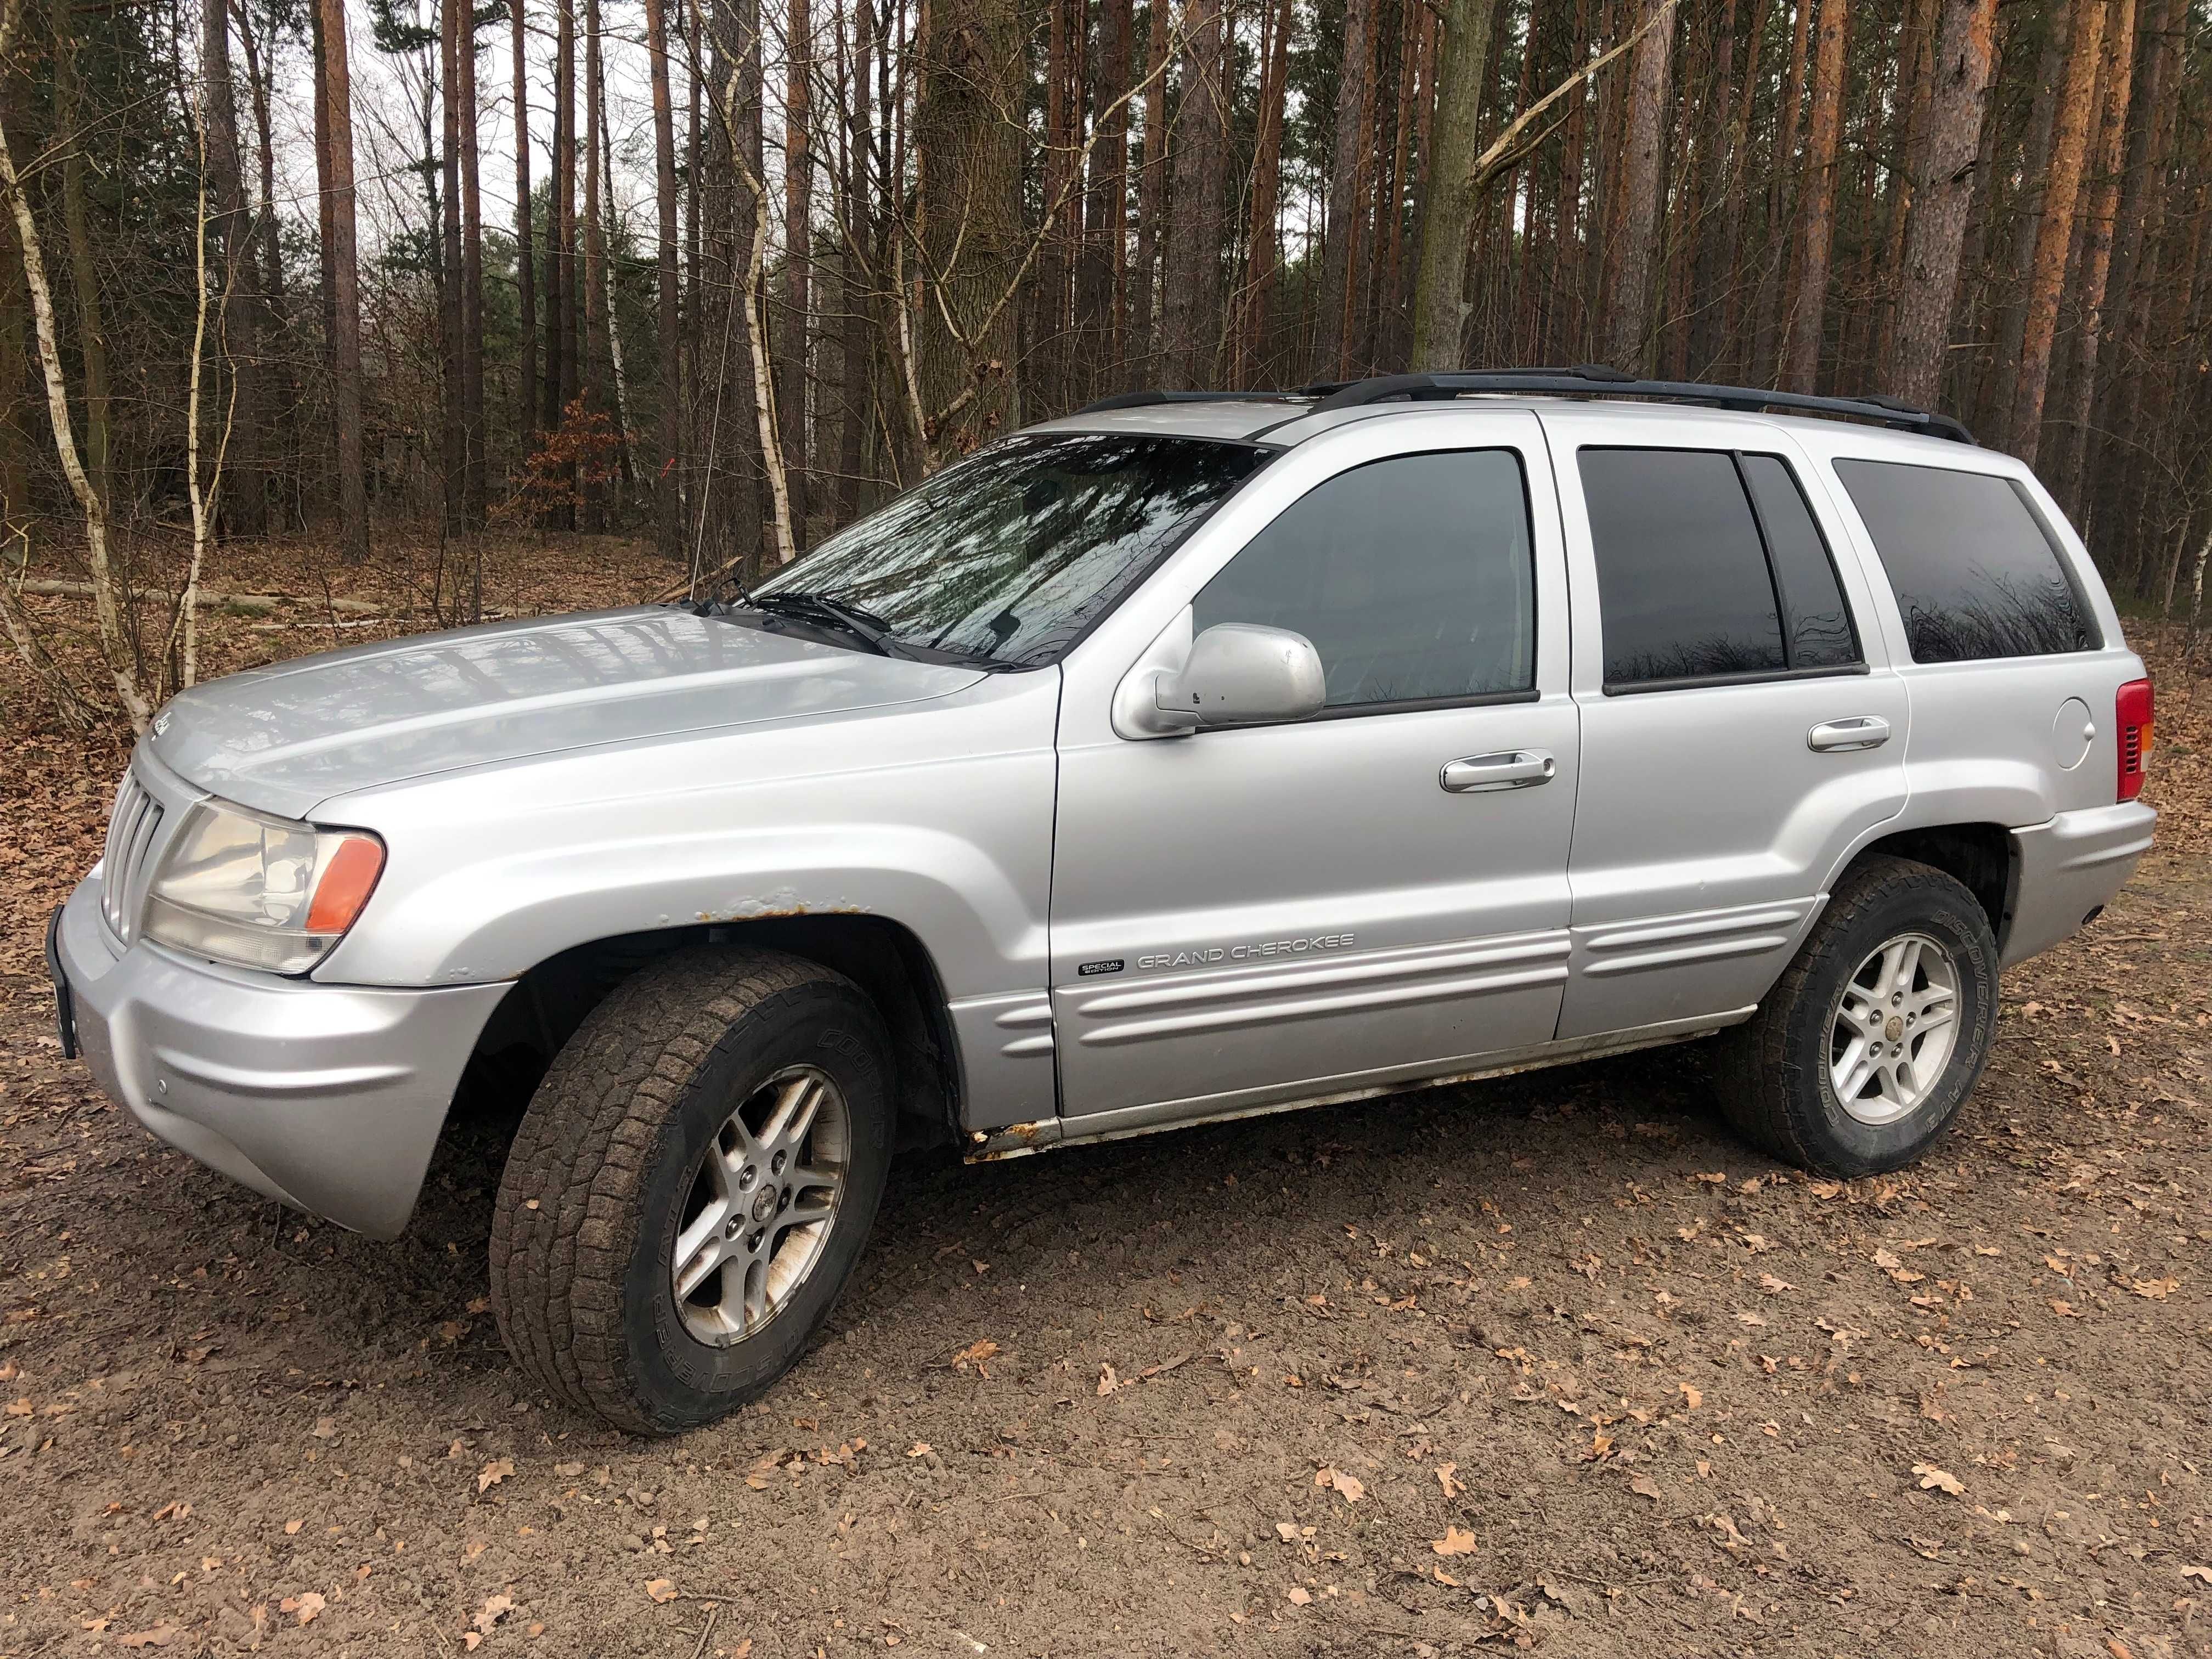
{"x": 1870, "y": 1042}
{"x": 692, "y": 1187}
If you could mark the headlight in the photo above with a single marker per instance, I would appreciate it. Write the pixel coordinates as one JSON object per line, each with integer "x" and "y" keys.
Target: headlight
{"x": 260, "y": 892}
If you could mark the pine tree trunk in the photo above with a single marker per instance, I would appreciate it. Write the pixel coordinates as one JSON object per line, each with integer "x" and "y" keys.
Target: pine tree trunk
{"x": 1389, "y": 346}
{"x": 526, "y": 255}
{"x": 2108, "y": 157}
{"x": 343, "y": 274}
{"x": 1106, "y": 243}
{"x": 280, "y": 380}
{"x": 1907, "y": 153}
{"x": 968, "y": 144}
{"x": 1782, "y": 192}
{"x": 1943, "y": 192}
{"x": 2055, "y": 229}
{"x": 564, "y": 372}
{"x": 453, "y": 443}
{"x": 1151, "y": 205}
{"x": 2129, "y": 299}
{"x": 798, "y": 253}
{"x": 476, "y": 488}
{"x": 1448, "y": 210}
{"x": 668, "y": 507}
{"x": 1355, "y": 95}
{"x": 594, "y": 354}
{"x": 1801, "y": 356}
{"x": 1628, "y": 329}
{"x": 859, "y": 234}
{"x": 1262, "y": 246}
{"x": 245, "y": 499}
{"x": 1731, "y": 261}
{"x": 1993, "y": 405}
{"x": 1190, "y": 304}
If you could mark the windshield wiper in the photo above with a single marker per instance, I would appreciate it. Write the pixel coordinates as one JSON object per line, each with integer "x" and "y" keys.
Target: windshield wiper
{"x": 820, "y": 609}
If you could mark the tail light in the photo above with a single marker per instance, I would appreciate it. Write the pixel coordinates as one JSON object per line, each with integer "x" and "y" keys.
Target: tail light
{"x": 2132, "y": 719}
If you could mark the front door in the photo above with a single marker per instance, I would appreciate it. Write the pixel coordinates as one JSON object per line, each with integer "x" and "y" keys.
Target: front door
{"x": 1375, "y": 895}
{"x": 1742, "y": 725}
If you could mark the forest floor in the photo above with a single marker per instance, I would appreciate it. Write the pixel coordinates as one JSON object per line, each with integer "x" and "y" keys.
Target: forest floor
{"x": 1550, "y": 1362}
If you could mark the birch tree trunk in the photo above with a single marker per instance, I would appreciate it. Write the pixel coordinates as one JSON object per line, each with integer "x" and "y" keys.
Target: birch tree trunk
{"x": 107, "y": 609}
{"x": 84, "y": 278}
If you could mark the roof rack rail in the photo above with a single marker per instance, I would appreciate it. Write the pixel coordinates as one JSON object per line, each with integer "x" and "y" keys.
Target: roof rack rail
{"x": 1598, "y": 381}
{"x": 1146, "y": 400}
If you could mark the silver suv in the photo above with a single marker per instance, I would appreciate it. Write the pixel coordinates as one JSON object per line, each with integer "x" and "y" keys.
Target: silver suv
{"x": 1192, "y": 757}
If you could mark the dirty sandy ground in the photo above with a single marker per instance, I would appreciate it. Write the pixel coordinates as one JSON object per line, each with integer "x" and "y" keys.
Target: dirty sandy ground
{"x": 1550, "y": 1362}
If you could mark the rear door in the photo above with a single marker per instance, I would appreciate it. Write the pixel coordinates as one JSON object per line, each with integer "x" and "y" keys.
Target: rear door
{"x": 1377, "y": 894}
{"x": 1740, "y": 724}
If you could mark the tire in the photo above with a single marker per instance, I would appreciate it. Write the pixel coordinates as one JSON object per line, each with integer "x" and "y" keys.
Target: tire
{"x": 708, "y": 1047}
{"x": 1777, "y": 1074}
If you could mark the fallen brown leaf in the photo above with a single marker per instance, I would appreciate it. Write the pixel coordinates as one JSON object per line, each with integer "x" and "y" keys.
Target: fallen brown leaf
{"x": 661, "y": 1590}
{"x": 1931, "y": 1477}
{"x": 1444, "y": 1472}
{"x": 1348, "y": 1485}
{"x": 1456, "y": 1541}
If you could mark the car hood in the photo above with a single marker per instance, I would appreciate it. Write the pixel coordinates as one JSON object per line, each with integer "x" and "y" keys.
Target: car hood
{"x": 286, "y": 738}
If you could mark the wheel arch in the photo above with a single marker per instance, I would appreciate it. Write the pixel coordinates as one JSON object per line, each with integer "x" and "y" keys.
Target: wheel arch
{"x": 888, "y": 960}
{"x": 1982, "y": 857}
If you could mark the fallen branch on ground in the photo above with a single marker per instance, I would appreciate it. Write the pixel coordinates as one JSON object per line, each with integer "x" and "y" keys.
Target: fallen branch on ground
{"x": 254, "y": 602}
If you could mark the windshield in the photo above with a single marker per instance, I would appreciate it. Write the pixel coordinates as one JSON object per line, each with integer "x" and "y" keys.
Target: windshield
{"x": 1012, "y": 554}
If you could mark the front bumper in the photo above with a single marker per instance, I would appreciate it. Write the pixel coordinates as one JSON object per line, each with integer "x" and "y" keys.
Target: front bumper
{"x": 327, "y": 1097}
{"x": 2070, "y": 867}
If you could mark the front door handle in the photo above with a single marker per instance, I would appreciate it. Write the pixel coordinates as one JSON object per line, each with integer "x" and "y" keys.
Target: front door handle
{"x": 1861, "y": 731}
{"x": 1510, "y": 768}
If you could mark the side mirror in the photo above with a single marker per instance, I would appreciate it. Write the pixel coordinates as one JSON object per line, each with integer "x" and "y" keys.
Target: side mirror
{"x": 1240, "y": 674}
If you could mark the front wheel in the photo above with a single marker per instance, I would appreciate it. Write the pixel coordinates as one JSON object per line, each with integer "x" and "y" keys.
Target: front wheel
{"x": 692, "y": 1187}
{"x": 1870, "y": 1042}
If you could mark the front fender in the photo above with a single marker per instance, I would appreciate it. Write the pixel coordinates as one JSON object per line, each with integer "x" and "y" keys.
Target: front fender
{"x": 936, "y": 816}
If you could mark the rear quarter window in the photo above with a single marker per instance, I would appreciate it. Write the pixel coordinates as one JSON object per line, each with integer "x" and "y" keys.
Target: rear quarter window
{"x": 1974, "y": 569}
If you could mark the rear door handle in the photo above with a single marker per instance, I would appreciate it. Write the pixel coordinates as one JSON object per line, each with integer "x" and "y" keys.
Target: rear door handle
{"x": 1861, "y": 732}
{"x": 1510, "y": 768}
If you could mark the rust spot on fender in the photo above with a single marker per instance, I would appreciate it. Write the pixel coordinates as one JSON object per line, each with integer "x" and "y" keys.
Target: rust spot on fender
{"x": 774, "y": 907}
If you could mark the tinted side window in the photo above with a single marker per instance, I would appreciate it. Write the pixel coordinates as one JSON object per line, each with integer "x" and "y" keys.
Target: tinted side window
{"x": 1974, "y": 571}
{"x": 1413, "y": 577}
{"x": 1683, "y": 588}
{"x": 1820, "y": 623}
